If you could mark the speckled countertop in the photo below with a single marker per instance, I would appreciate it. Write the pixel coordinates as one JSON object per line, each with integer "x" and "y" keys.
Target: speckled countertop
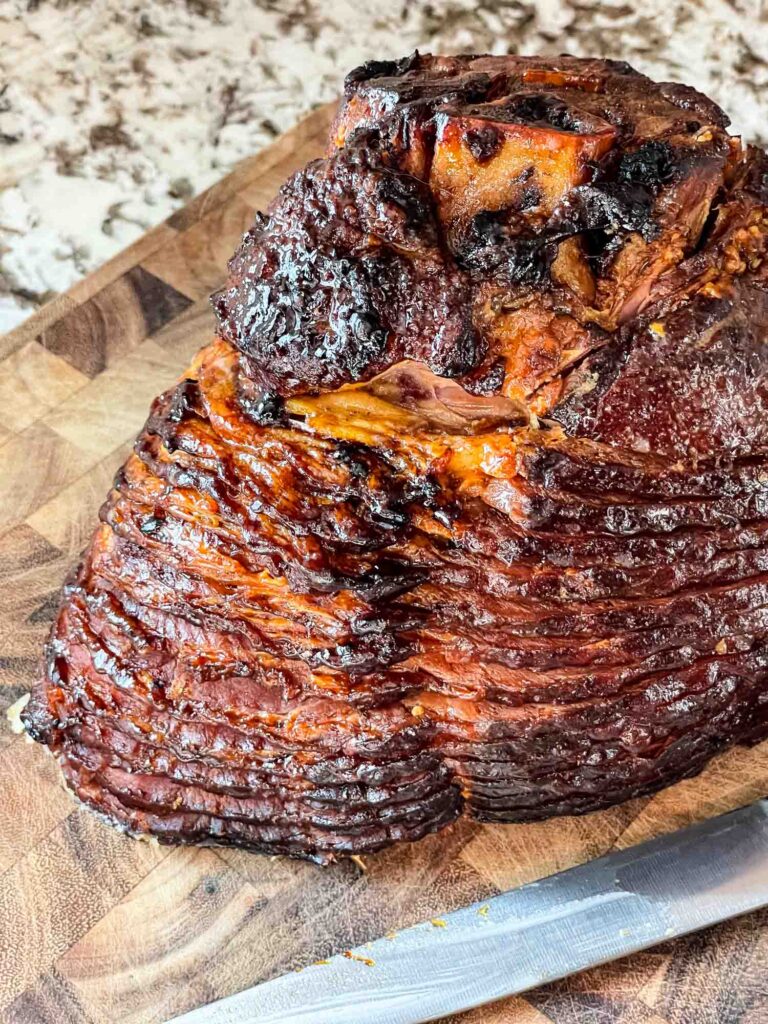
{"x": 115, "y": 112}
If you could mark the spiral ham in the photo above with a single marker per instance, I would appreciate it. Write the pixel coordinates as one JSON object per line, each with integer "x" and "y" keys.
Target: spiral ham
{"x": 465, "y": 508}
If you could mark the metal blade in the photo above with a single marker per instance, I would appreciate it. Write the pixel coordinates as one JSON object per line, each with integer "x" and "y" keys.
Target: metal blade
{"x": 608, "y": 908}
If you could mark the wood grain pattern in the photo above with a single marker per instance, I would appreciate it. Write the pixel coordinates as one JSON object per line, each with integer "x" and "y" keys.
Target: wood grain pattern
{"x": 96, "y": 928}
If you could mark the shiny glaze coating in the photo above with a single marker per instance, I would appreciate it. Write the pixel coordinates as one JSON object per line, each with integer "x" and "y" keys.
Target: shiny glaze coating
{"x": 466, "y": 508}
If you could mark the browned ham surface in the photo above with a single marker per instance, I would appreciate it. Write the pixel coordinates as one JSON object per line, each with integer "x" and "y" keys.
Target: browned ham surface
{"x": 465, "y": 509}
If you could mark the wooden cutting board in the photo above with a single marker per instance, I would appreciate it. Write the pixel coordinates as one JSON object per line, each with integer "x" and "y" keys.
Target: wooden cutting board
{"x": 96, "y": 928}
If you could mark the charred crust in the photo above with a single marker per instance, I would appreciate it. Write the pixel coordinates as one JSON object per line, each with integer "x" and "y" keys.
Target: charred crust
{"x": 651, "y": 165}
{"x": 607, "y": 207}
{"x": 538, "y": 109}
{"x": 690, "y": 100}
{"x": 483, "y": 143}
{"x": 356, "y": 262}
{"x": 380, "y": 69}
{"x": 495, "y": 244}
{"x": 263, "y": 407}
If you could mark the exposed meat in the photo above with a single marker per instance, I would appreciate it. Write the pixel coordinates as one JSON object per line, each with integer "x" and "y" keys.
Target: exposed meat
{"x": 466, "y": 508}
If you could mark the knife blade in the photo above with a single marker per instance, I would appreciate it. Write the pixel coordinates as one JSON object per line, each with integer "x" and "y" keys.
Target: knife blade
{"x": 608, "y": 908}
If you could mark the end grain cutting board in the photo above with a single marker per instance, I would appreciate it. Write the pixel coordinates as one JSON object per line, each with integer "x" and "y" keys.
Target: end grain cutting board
{"x": 96, "y": 928}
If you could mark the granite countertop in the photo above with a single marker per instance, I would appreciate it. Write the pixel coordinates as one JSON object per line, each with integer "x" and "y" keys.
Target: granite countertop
{"x": 113, "y": 113}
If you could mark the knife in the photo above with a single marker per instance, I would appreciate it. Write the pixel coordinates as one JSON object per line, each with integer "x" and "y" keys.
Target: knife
{"x": 588, "y": 915}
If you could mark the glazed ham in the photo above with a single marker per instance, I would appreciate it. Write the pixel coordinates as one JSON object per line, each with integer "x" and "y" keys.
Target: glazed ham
{"x": 465, "y": 509}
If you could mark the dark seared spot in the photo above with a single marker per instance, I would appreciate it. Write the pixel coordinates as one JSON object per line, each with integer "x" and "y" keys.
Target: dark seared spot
{"x": 537, "y": 109}
{"x": 652, "y": 165}
{"x": 530, "y": 198}
{"x": 263, "y": 408}
{"x": 425, "y": 490}
{"x": 463, "y": 352}
{"x": 363, "y": 335}
{"x": 185, "y": 401}
{"x": 354, "y": 458}
{"x": 402, "y": 210}
{"x": 494, "y": 244}
{"x": 545, "y": 110}
{"x": 388, "y": 578}
{"x": 483, "y": 143}
{"x": 607, "y": 208}
{"x": 380, "y": 69}
{"x": 490, "y": 382}
{"x": 620, "y": 67}
{"x": 152, "y": 524}
{"x": 528, "y": 261}
{"x": 429, "y": 96}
